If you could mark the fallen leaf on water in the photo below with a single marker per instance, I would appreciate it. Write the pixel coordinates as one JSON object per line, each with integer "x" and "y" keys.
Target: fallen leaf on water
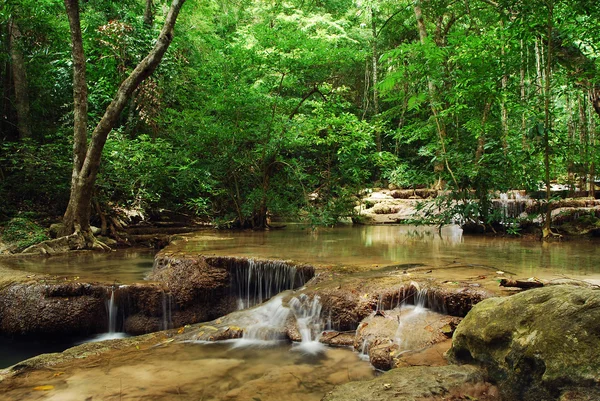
{"x": 44, "y": 388}
{"x": 213, "y": 328}
{"x": 58, "y": 374}
{"x": 181, "y": 330}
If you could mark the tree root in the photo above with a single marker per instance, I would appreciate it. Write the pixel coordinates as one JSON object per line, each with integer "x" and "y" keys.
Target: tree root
{"x": 72, "y": 242}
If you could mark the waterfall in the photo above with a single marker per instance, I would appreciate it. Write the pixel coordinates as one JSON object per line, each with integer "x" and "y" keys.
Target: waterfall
{"x": 268, "y": 324}
{"x": 406, "y": 335}
{"x": 167, "y": 303}
{"x": 420, "y": 296}
{"x": 258, "y": 280}
{"x": 511, "y": 205}
{"x": 112, "y": 310}
{"x": 308, "y": 317}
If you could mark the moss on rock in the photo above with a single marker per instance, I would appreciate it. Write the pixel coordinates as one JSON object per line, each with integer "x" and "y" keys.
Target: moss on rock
{"x": 535, "y": 344}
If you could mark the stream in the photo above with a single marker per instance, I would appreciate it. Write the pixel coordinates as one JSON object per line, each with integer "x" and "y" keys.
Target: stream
{"x": 264, "y": 370}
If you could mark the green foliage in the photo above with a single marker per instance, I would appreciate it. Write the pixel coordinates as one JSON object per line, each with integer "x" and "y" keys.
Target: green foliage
{"x": 265, "y": 109}
{"x": 35, "y": 176}
{"x": 21, "y": 232}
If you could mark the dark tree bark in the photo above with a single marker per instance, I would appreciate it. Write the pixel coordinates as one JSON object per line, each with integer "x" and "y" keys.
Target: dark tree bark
{"x": 86, "y": 157}
{"x": 148, "y": 13}
{"x": 19, "y": 81}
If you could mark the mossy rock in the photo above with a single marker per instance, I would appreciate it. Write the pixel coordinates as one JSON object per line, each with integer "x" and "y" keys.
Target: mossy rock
{"x": 536, "y": 344}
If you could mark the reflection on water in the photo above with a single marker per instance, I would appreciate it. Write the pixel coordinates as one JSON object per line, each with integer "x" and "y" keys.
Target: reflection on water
{"x": 377, "y": 246}
{"x": 354, "y": 246}
{"x": 198, "y": 372}
{"x": 121, "y": 266}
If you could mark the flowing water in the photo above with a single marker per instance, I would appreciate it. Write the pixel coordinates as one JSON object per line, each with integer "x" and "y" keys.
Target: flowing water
{"x": 191, "y": 371}
{"x": 235, "y": 371}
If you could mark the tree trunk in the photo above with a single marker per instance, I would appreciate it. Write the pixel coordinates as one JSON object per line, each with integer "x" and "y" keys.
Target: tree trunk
{"x": 375, "y": 61}
{"x": 547, "y": 121}
{"x": 440, "y": 126}
{"x": 595, "y": 98}
{"x": 20, "y": 81}
{"x": 86, "y": 159}
{"x": 522, "y": 85}
{"x": 592, "y": 135}
{"x": 148, "y": 14}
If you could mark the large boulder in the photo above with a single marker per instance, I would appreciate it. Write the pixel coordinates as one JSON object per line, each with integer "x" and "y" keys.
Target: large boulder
{"x": 52, "y": 310}
{"x": 540, "y": 344}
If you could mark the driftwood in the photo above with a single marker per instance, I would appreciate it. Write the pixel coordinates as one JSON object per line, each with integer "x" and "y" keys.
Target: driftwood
{"x": 525, "y": 284}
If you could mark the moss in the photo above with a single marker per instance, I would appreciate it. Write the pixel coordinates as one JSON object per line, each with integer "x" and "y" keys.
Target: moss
{"x": 22, "y": 232}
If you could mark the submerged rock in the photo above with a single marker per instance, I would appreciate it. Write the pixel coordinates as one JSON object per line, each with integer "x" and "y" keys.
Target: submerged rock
{"x": 536, "y": 344}
{"x": 419, "y": 383}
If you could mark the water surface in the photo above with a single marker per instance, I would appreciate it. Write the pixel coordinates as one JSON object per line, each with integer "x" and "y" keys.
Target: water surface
{"x": 196, "y": 372}
{"x": 372, "y": 247}
{"x": 121, "y": 266}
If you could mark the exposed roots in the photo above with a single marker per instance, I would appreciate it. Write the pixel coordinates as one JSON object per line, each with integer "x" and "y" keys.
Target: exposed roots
{"x": 76, "y": 241}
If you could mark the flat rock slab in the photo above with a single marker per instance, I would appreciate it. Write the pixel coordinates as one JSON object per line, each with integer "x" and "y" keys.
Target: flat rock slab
{"x": 419, "y": 383}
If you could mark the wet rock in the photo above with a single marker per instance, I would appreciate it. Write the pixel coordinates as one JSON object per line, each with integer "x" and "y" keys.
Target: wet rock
{"x": 418, "y": 383}
{"x": 190, "y": 278}
{"x": 382, "y": 356}
{"x": 536, "y": 344}
{"x": 338, "y": 339}
{"x": 52, "y": 310}
{"x": 387, "y": 337}
{"x": 346, "y": 308}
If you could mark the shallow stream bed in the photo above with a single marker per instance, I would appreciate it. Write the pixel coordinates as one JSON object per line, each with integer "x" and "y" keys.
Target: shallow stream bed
{"x": 191, "y": 371}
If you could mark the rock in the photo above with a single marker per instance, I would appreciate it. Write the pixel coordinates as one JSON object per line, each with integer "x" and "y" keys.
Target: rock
{"x": 402, "y": 330}
{"x": 536, "y": 344}
{"x": 191, "y": 278}
{"x": 55, "y": 229}
{"x": 338, "y": 339}
{"x": 416, "y": 383}
{"x": 52, "y": 310}
{"x": 381, "y": 356}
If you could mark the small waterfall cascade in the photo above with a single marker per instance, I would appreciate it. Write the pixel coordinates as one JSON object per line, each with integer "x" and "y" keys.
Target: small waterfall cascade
{"x": 511, "y": 205}
{"x": 420, "y": 296}
{"x": 167, "y": 311}
{"x": 259, "y": 280}
{"x": 112, "y": 310}
{"x": 308, "y": 317}
{"x": 268, "y": 325}
{"x": 113, "y": 313}
{"x": 406, "y": 336}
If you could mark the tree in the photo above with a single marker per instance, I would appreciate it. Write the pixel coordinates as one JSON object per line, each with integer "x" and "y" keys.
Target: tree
{"x": 20, "y": 80}
{"x": 86, "y": 157}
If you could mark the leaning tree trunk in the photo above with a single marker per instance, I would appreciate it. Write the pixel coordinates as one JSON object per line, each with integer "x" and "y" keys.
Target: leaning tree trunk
{"x": 86, "y": 158}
